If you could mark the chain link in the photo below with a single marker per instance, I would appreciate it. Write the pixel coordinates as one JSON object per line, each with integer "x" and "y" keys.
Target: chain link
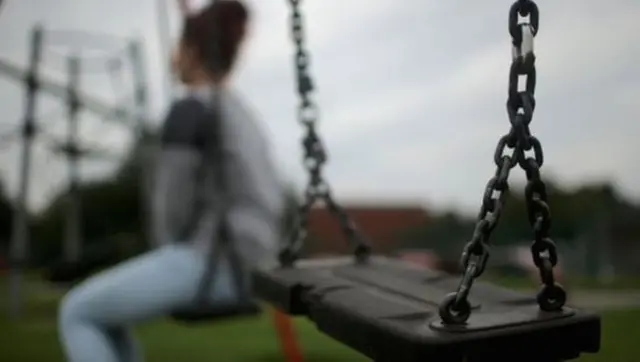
{"x": 511, "y": 151}
{"x": 315, "y": 157}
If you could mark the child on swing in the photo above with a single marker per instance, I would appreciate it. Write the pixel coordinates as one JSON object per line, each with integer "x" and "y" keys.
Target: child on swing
{"x": 96, "y": 317}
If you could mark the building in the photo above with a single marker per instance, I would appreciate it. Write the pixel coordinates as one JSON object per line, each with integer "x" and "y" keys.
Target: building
{"x": 382, "y": 224}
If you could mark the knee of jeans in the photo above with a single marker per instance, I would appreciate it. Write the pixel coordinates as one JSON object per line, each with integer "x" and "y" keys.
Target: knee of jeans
{"x": 72, "y": 308}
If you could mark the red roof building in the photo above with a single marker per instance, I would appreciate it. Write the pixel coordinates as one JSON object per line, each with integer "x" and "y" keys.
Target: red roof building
{"x": 381, "y": 224}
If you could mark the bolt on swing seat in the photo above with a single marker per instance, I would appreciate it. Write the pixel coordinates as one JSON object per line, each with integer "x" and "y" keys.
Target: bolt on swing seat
{"x": 393, "y": 311}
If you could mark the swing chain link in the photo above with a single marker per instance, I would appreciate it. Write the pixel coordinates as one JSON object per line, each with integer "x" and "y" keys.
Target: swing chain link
{"x": 314, "y": 158}
{"x": 510, "y": 152}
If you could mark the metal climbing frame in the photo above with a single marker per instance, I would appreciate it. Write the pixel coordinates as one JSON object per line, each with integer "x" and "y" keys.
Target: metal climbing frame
{"x": 390, "y": 310}
{"x": 34, "y": 82}
{"x": 20, "y": 229}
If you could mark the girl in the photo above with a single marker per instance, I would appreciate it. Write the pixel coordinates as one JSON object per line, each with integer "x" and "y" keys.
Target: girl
{"x": 96, "y": 316}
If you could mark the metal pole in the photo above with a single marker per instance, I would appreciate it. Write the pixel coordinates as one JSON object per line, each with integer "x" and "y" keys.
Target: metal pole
{"x": 89, "y": 103}
{"x": 20, "y": 228}
{"x": 73, "y": 245}
{"x": 143, "y": 139}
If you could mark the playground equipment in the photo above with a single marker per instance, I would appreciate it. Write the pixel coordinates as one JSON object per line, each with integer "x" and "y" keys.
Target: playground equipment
{"x": 392, "y": 311}
{"x": 71, "y": 148}
{"x": 137, "y": 121}
{"x": 203, "y": 308}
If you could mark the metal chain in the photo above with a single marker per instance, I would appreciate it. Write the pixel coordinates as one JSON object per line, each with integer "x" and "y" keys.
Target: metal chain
{"x": 315, "y": 157}
{"x": 510, "y": 152}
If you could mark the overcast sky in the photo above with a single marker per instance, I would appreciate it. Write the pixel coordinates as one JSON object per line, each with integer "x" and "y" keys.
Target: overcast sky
{"x": 412, "y": 93}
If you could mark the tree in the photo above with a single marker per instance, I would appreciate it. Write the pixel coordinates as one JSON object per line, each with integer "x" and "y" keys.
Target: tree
{"x": 113, "y": 216}
{"x": 6, "y": 215}
{"x": 109, "y": 206}
{"x": 573, "y": 213}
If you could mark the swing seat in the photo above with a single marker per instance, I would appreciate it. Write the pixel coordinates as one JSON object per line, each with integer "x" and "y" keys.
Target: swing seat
{"x": 211, "y": 313}
{"x": 387, "y": 309}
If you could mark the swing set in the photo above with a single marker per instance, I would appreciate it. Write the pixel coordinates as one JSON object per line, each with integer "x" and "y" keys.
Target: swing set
{"x": 393, "y": 311}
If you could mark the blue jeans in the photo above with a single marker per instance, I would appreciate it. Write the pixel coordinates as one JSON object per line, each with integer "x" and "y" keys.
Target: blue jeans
{"x": 96, "y": 316}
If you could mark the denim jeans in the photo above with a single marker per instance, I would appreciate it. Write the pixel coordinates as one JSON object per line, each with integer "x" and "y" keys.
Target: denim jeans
{"x": 95, "y": 317}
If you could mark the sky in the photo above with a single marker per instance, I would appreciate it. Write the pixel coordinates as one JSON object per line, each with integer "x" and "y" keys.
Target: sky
{"x": 411, "y": 95}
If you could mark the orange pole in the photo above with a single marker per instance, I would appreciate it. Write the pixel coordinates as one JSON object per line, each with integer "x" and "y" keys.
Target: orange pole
{"x": 287, "y": 336}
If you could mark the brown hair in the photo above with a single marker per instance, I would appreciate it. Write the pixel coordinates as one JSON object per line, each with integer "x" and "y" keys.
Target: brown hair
{"x": 216, "y": 32}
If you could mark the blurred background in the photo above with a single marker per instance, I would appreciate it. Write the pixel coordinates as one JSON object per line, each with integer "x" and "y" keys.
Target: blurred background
{"x": 412, "y": 103}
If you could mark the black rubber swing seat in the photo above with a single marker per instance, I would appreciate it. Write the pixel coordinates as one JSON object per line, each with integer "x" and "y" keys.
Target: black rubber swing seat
{"x": 387, "y": 309}
{"x": 209, "y": 313}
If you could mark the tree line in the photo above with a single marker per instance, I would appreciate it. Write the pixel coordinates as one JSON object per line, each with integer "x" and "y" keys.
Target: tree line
{"x": 112, "y": 218}
{"x": 591, "y": 210}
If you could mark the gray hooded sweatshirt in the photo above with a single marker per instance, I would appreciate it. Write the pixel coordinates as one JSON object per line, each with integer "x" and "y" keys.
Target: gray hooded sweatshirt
{"x": 206, "y": 132}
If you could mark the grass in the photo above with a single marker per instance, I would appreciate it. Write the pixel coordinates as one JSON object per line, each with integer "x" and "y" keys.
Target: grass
{"x": 243, "y": 340}
{"x": 250, "y": 340}
{"x": 580, "y": 283}
{"x": 35, "y": 338}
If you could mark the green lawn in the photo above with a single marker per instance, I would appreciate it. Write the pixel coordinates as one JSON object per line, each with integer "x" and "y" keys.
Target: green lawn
{"x": 35, "y": 339}
{"x": 519, "y": 282}
{"x": 236, "y": 341}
